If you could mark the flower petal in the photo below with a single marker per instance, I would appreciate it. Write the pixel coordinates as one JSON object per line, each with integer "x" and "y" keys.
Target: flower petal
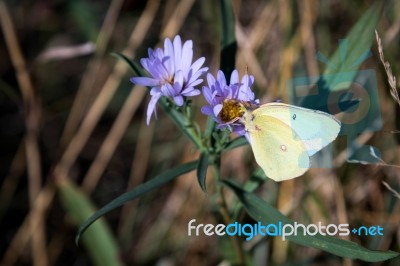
{"x": 187, "y": 55}
{"x": 217, "y": 109}
{"x": 158, "y": 54}
{"x": 207, "y": 110}
{"x": 160, "y": 70}
{"x": 150, "y": 52}
{"x": 239, "y": 129}
{"x": 145, "y": 63}
{"x": 197, "y": 64}
{"x": 194, "y": 83}
{"x": 178, "y": 100}
{"x": 167, "y": 90}
{"x": 178, "y": 83}
{"x": 251, "y": 81}
{"x": 169, "y": 57}
{"x": 210, "y": 80}
{"x": 207, "y": 94}
{"x": 177, "y": 52}
{"x": 247, "y": 135}
{"x": 234, "y": 77}
{"x": 178, "y": 78}
{"x": 242, "y": 93}
{"x": 194, "y": 77}
{"x": 221, "y": 78}
{"x": 190, "y": 92}
{"x": 143, "y": 81}
{"x": 152, "y": 105}
{"x": 155, "y": 90}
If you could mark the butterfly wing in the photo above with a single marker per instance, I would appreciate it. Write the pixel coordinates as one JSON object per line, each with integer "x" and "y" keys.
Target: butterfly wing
{"x": 279, "y": 154}
{"x": 315, "y": 128}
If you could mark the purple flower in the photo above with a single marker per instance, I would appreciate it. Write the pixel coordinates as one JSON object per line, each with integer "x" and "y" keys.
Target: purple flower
{"x": 172, "y": 73}
{"x": 226, "y": 102}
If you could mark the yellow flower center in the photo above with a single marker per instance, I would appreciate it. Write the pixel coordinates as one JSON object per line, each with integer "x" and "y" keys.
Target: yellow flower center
{"x": 231, "y": 110}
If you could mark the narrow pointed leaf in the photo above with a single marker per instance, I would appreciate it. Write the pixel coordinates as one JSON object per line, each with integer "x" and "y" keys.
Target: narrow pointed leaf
{"x": 202, "y": 170}
{"x": 354, "y": 49}
{"x": 209, "y": 128}
{"x": 132, "y": 64}
{"x": 260, "y": 210}
{"x": 154, "y": 183}
{"x": 227, "y": 23}
{"x": 228, "y": 39}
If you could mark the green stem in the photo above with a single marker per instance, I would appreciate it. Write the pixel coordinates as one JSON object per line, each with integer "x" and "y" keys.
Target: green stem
{"x": 184, "y": 123}
{"x": 225, "y": 214}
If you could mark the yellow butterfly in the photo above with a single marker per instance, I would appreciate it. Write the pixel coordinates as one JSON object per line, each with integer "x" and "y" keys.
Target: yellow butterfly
{"x": 283, "y": 137}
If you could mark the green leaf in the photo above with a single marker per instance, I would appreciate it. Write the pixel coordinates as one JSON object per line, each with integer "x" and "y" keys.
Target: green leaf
{"x": 154, "y": 183}
{"x": 98, "y": 240}
{"x": 354, "y": 48}
{"x": 202, "y": 170}
{"x": 182, "y": 122}
{"x": 237, "y": 142}
{"x": 132, "y": 64}
{"x": 260, "y": 210}
{"x": 228, "y": 23}
{"x": 209, "y": 128}
{"x": 257, "y": 178}
{"x": 228, "y": 39}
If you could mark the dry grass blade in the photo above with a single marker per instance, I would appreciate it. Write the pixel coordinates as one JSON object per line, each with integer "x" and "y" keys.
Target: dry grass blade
{"x": 395, "y": 193}
{"x": 391, "y": 33}
{"x": 32, "y": 121}
{"x": 108, "y": 90}
{"x": 391, "y": 79}
{"x": 178, "y": 17}
{"x": 88, "y": 78}
{"x": 46, "y": 195}
{"x": 109, "y": 145}
{"x": 250, "y": 43}
{"x": 65, "y": 52}
{"x": 137, "y": 175}
{"x": 21, "y": 238}
{"x": 11, "y": 181}
{"x": 308, "y": 15}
